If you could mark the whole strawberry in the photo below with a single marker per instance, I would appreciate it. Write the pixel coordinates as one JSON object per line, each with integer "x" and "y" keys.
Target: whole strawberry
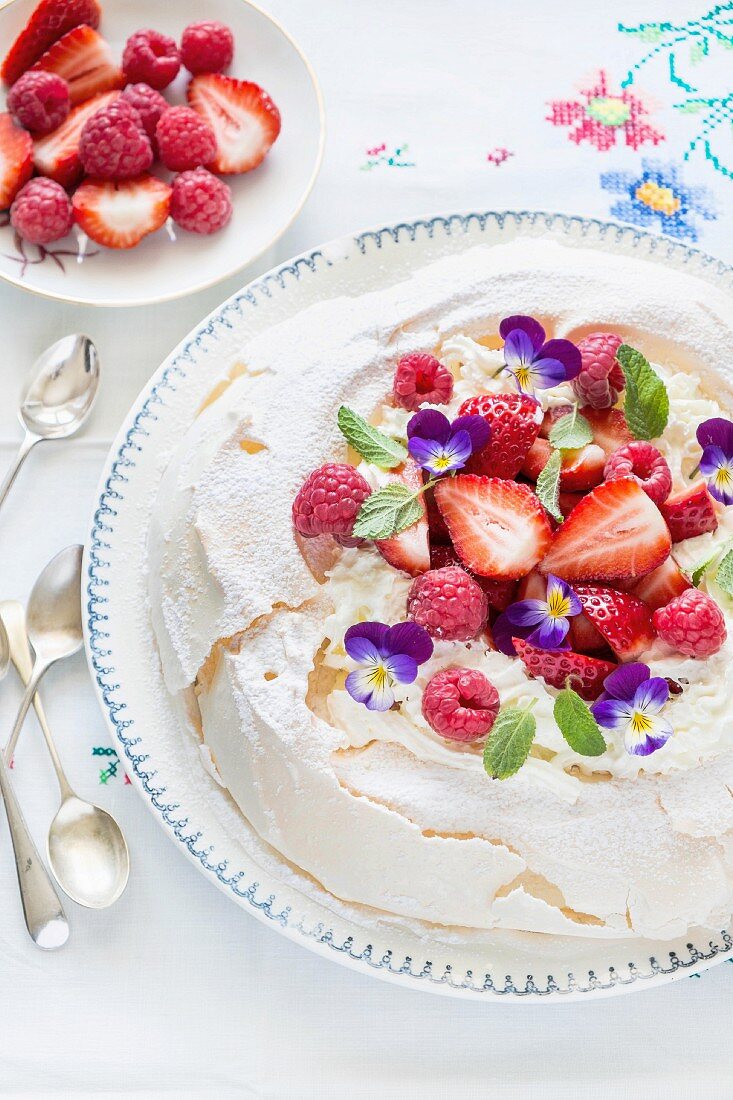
{"x": 601, "y": 379}
{"x": 329, "y": 500}
{"x": 460, "y": 704}
{"x": 113, "y": 144}
{"x": 515, "y": 420}
{"x": 692, "y": 623}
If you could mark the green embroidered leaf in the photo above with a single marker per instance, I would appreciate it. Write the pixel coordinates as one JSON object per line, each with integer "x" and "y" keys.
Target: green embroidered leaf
{"x": 647, "y": 404}
{"x": 372, "y": 445}
{"x": 724, "y": 577}
{"x": 577, "y": 724}
{"x": 509, "y": 742}
{"x": 387, "y": 512}
{"x": 571, "y": 431}
{"x": 548, "y": 486}
{"x": 698, "y": 50}
{"x": 691, "y": 106}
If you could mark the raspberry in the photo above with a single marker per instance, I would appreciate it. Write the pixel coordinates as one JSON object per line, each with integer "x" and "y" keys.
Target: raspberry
{"x": 39, "y": 101}
{"x": 149, "y": 105}
{"x": 200, "y": 202}
{"x": 421, "y": 380}
{"x": 207, "y": 47}
{"x": 113, "y": 144}
{"x": 601, "y": 379}
{"x": 41, "y": 211}
{"x": 448, "y": 603}
{"x": 460, "y": 704}
{"x": 646, "y": 465}
{"x": 185, "y": 139}
{"x": 328, "y": 501}
{"x": 691, "y": 623}
{"x": 151, "y": 57}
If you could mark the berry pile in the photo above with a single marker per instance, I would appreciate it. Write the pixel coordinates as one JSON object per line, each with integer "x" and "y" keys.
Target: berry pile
{"x": 93, "y": 128}
{"x": 485, "y": 543}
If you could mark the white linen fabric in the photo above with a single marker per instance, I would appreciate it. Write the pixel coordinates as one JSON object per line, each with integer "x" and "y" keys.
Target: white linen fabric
{"x": 176, "y": 990}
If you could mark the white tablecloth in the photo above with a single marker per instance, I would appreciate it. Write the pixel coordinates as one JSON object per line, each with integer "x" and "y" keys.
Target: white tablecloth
{"x": 431, "y": 105}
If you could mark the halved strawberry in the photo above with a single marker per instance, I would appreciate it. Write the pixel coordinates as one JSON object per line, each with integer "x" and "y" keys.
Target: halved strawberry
{"x": 690, "y": 512}
{"x": 556, "y": 666}
{"x": 438, "y": 530}
{"x": 243, "y": 117}
{"x": 610, "y": 430}
{"x": 661, "y": 585}
{"x": 583, "y": 636}
{"x": 551, "y": 417}
{"x": 580, "y": 469}
{"x": 84, "y": 59}
{"x": 16, "y": 159}
{"x": 50, "y": 20}
{"x": 514, "y": 419}
{"x": 568, "y": 501}
{"x": 119, "y": 215}
{"x": 500, "y": 593}
{"x": 410, "y": 549}
{"x": 56, "y": 155}
{"x": 624, "y": 620}
{"x": 498, "y": 528}
{"x": 614, "y": 533}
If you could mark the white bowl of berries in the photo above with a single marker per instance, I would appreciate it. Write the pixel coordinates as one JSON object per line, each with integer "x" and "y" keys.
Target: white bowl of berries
{"x": 147, "y": 156}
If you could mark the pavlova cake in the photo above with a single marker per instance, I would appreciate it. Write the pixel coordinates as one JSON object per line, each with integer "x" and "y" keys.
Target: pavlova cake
{"x": 442, "y": 577}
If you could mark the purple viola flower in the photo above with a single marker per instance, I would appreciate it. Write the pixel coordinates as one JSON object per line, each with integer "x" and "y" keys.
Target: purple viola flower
{"x": 386, "y": 654}
{"x": 715, "y": 436}
{"x": 543, "y": 623}
{"x": 534, "y": 362}
{"x": 630, "y": 704}
{"x": 440, "y": 446}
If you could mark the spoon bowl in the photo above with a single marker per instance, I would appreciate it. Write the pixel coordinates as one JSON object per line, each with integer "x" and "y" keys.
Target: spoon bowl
{"x": 54, "y": 609}
{"x": 62, "y": 390}
{"x": 88, "y": 854}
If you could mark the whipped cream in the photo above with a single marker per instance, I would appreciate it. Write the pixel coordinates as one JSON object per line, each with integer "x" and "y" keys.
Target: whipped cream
{"x": 380, "y": 810}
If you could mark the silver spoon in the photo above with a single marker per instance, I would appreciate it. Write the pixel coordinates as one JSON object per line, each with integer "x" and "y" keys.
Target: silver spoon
{"x": 86, "y": 847}
{"x": 58, "y": 399}
{"x": 42, "y": 909}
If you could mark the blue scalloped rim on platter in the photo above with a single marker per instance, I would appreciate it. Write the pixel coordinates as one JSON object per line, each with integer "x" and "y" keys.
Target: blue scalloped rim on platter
{"x": 321, "y": 937}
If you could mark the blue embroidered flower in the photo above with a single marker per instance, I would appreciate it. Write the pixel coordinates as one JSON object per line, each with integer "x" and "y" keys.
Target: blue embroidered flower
{"x": 658, "y": 198}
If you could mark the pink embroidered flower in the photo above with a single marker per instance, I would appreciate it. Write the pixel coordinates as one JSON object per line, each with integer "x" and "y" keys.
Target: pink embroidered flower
{"x": 601, "y": 114}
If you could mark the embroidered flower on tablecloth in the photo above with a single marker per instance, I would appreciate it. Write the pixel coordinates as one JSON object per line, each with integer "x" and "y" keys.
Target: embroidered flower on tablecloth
{"x": 603, "y": 116}
{"x": 381, "y": 155}
{"x": 658, "y": 197}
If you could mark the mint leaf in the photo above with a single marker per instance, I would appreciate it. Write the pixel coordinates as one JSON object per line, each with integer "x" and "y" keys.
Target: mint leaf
{"x": 548, "y": 486}
{"x": 647, "y": 404}
{"x": 701, "y": 569}
{"x": 509, "y": 742}
{"x": 724, "y": 576}
{"x": 577, "y": 724}
{"x": 571, "y": 431}
{"x": 387, "y": 512}
{"x": 372, "y": 445}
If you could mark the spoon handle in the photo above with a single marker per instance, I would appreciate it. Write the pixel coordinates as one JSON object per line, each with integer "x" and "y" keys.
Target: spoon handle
{"x": 29, "y": 442}
{"x": 44, "y": 914}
